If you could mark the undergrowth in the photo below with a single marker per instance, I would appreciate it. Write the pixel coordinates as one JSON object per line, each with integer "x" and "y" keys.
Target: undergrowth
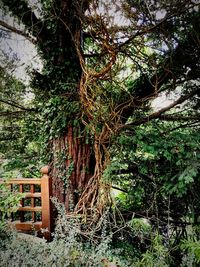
{"x": 68, "y": 248}
{"x": 71, "y": 246}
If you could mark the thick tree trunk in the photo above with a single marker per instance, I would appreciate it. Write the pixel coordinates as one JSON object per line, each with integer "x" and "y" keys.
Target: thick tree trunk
{"x": 72, "y": 166}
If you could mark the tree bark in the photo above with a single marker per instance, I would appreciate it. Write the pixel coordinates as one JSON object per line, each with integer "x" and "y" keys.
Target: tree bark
{"x": 72, "y": 166}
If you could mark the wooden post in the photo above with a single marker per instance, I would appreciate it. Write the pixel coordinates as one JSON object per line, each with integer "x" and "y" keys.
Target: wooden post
{"x": 46, "y": 193}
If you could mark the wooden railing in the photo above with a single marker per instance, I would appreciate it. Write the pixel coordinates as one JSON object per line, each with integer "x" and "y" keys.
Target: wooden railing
{"x": 36, "y": 200}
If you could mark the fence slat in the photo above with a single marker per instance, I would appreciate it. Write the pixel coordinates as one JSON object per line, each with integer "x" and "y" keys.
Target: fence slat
{"x": 35, "y": 195}
{"x": 28, "y": 226}
{"x": 32, "y": 190}
{"x": 21, "y": 214}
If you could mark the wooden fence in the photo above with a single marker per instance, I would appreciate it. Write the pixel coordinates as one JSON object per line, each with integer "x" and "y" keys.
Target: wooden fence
{"x": 36, "y": 202}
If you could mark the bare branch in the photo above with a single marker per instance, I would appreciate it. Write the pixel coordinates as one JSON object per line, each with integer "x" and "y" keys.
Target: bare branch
{"x": 120, "y": 189}
{"x": 158, "y": 113}
{"x": 17, "y": 31}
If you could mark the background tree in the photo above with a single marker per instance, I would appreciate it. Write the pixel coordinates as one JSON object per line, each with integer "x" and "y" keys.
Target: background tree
{"x": 102, "y": 64}
{"x": 18, "y": 119}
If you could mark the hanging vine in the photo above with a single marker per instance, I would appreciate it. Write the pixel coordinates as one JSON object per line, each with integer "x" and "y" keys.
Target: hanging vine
{"x": 102, "y": 125}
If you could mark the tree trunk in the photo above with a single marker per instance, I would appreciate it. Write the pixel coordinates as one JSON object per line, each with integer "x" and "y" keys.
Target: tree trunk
{"x": 72, "y": 166}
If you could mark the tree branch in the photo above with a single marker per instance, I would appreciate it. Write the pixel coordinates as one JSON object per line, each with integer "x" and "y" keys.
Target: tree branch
{"x": 128, "y": 41}
{"x": 24, "y": 13}
{"x": 13, "y": 113}
{"x": 16, "y": 105}
{"x": 158, "y": 113}
{"x": 170, "y": 71}
{"x": 169, "y": 117}
{"x": 120, "y": 189}
{"x": 139, "y": 33}
{"x": 188, "y": 125}
{"x": 152, "y": 28}
{"x": 17, "y": 31}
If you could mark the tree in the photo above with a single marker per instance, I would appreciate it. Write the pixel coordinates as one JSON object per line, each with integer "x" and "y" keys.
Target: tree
{"x": 99, "y": 75}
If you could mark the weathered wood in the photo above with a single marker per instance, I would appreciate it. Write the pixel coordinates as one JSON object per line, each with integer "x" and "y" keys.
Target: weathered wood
{"x": 28, "y": 226}
{"x": 46, "y": 191}
{"x": 32, "y": 190}
{"x": 21, "y": 214}
{"x": 29, "y": 208}
{"x": 24, "y": 181}
{"x": 33, "y": 195}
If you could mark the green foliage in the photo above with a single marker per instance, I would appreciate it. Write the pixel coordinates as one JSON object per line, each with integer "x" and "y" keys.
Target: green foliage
{"x": 68, "y": 248}
{"x": 156, "y": 256}
{"x": 9, "y": 203}
{"x": 190, "y": 247}
{"x": 140, "y": 226}
{"x": 158, "y": 168}
{"x": 192, "y": 252}
{"x": 19, "y": 128}
{"x": 59, "y": 112}
{"x": 151, "y": 150}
